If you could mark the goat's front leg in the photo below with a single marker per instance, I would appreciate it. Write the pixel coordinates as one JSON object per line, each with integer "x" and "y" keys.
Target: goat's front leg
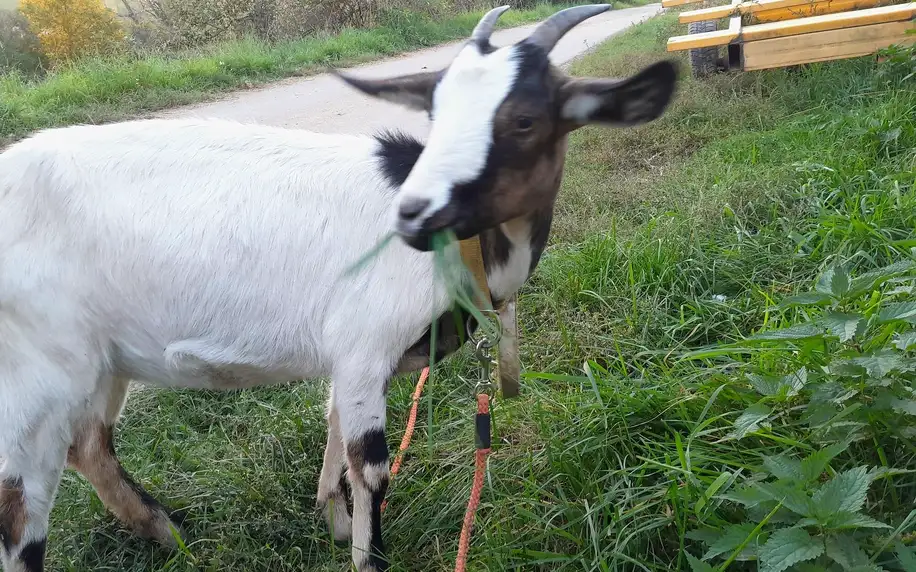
{"x": 360, "y": 405}
{"x": 332, "y": 496}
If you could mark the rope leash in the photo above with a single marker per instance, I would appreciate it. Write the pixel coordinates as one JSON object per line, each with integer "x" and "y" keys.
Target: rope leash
{"x": 408, "y": 432}
{"x": 480, "y": 467}
{"x": 483, "y": 441}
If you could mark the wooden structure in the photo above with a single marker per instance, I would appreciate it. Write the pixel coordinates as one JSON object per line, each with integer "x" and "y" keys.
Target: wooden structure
{"x": 764, "y": 34}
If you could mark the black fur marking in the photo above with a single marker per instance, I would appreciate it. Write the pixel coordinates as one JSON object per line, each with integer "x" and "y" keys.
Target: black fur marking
{"x": 450, "y": 336}
{"x": 145, "y": 497}
{"x": 33, "y": 555}
{"x": 374, "y": 448}
{"x": 176, "y": 516}
{"x": 540, "y": 232}
{"x": 343, "y": 488}
{"x": 377, "y": 545}
{"x": 497, "y": 248}
{"x": 398, "y": 155}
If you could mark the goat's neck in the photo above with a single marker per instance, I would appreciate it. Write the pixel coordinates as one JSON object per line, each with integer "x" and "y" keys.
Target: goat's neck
{"x": 511, "y": 251}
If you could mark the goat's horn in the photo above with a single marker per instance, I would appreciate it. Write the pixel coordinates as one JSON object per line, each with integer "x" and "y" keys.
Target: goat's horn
{"x": 551, "y": 30}
{"x": 485, "y": 27}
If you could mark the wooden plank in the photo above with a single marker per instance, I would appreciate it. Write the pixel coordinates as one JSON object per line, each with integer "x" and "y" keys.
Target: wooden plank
{"x": 672, "y": 3}
{"x": 825, "y": 45}
{"x": 826, "y": 22}
{"x": 714, "y": 13}
{"x": 773, "y": 10}
{"x": 813, "y": 9}
{"x": 692, "y": 41}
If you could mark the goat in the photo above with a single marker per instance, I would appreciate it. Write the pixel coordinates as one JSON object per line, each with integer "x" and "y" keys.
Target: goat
{"x": 212, "y": 254}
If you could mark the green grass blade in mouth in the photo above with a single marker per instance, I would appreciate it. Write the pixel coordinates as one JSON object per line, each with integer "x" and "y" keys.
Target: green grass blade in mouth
{"x": 455, "y": 274}
{"x": 370, "y": 255}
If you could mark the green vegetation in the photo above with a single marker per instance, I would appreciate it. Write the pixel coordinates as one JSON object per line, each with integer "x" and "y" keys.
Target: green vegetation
{"x": 738, "y": 279}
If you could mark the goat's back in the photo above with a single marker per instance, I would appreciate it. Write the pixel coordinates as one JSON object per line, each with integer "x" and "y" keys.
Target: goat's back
{"x": 189, "y": 243}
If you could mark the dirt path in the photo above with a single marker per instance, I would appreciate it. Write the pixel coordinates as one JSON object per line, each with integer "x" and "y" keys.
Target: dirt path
{"x": 324, "y": 103}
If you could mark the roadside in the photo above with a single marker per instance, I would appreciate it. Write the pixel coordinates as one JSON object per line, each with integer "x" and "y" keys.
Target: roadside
{"x": 99, "y": 91}
{"x": 324, "y": 103}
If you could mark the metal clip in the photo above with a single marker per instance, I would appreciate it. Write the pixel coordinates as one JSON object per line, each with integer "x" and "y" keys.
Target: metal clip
{"x": 482, "y": 352}
{"x": 497, "y": 329}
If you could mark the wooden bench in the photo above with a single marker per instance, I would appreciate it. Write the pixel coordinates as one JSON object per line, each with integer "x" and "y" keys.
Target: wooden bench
{"x": 783, "y": 42}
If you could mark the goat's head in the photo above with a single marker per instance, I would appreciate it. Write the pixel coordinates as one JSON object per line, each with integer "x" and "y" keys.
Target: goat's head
{"x": 500, "y": 117}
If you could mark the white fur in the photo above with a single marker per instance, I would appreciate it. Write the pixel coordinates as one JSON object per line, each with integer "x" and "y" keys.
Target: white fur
{"x": 464, "y": 104}
{"x": 581, "y": 106}
{"x": 504, "y": 281}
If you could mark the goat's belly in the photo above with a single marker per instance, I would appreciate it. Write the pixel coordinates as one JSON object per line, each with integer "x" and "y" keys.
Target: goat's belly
{"x": 198, "y": 364}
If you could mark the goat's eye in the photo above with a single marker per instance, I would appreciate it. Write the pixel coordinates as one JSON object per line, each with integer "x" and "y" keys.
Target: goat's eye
{"x": 523, "y": 123}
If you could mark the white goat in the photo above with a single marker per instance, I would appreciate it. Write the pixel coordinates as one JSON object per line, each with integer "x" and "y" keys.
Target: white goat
{"x": 212, "y": 254}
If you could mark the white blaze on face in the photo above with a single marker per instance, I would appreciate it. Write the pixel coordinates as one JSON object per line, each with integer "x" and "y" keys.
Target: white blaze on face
{"x": 464, "y": 105}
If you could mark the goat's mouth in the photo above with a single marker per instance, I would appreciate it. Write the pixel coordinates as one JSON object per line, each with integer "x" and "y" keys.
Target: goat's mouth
{"x": 422, "y": 237}
{"x": 419, "y": 234}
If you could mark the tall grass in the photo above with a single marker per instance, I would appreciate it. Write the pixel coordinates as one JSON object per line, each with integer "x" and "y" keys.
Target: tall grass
{"x": 696, "y": 437}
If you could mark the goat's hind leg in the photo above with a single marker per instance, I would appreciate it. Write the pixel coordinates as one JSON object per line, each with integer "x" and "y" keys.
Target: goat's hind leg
{"x": 92, "y": 454}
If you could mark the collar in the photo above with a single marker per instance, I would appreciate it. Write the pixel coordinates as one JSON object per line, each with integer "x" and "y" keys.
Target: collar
{"x": 508, "y": 367}
{"x": 472, "y": 255}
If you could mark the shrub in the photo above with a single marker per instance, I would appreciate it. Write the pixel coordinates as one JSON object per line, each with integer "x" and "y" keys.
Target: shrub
{"x": 71, "y": 29}
{"x": 19, "y": 47}
{"x": 195, "y": 22}
{"x": 190, "y": 23}
{"x": 843, "y": 381}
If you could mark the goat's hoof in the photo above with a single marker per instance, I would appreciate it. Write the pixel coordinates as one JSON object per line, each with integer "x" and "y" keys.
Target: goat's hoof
{"x": 161, "y": 527}
{"x": 338, "y": 519}
{"x": 373, "y": 564}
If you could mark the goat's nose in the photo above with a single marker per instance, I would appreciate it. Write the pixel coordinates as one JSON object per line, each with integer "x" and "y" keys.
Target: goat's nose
{"x": 412, "y": 207}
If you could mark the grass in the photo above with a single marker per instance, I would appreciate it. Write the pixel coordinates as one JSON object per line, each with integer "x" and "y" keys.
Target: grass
{"x": 97, "y": 91}
{"x": 675, "y": 237}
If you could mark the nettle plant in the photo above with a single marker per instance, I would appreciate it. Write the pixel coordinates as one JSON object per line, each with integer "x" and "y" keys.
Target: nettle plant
{"x": 844, "y": 396}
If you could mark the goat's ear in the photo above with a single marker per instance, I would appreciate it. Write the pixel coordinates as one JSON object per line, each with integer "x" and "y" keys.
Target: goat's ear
{"x": 635, "y": 100}
{"x": 414, "y": 91}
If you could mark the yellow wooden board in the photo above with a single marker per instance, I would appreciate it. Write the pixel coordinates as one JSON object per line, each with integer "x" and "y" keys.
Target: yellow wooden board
{"x": 693, "y": 41}
{"x": 826, "y": 45}
{"x": 843, "y": 20}
{"x": 772, "y": 10}
{"x": 813, "y": 9}
{"x": 826, "y": 22}
{"x": 672, "y": 3}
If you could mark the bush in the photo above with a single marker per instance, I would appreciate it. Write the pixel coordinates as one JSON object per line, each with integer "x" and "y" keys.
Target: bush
{"x": 190, "y": 23}
{"x": 850, "y": 361}
{"x": 72, "y": 29}
{"x": 19, "y": 47}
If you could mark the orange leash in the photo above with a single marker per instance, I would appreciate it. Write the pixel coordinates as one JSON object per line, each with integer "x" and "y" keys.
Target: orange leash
{"x": 480, "y": 467}
{"x": 482, "y": 436}
{"x": 408, "y": 432}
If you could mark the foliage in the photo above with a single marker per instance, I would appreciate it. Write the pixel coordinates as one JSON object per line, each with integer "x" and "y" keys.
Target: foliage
{"x": 20, "y": 50}
{"x": 186, "y": 23}
{"x": 850, "y": 379}
{"x": 73, "y": 29}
